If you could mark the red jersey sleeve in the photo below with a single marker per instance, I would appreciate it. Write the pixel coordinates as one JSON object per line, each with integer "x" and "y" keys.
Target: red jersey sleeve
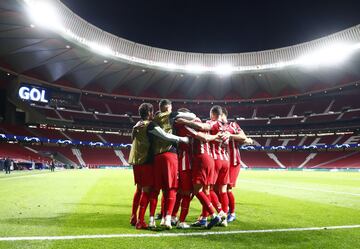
{"x": 235, "y": 126}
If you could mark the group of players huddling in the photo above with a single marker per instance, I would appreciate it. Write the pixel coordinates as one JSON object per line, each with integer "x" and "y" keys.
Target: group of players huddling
{"x": 177, "y": 153}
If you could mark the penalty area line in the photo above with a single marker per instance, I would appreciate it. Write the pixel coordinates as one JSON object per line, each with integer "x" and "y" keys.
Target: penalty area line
{"x": 159, "y": 235}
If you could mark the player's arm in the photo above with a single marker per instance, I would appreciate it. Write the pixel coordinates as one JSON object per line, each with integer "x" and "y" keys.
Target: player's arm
{"x": 206, "y": 137}
{"x": 200, "y": 135}
{"x": 157, "y": 131}
{"x": 241, "y": 138}
{"x": 194, "y": 125}
{"x": 184, "y": 115}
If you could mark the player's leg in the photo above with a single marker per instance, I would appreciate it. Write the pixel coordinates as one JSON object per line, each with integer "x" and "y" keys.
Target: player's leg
{"x": 222, "y": 183}
{"x": 185, "y": 185}
{"x": 215, "y": 188}
{"x": 170, "y": 162}
{"x": 158, "y": 185}
{"x": 202, "y": 176}
{"x": 153, "y": 203}
{"x": 215, "y": 198}
{"x": 144, "y": 201}
{"x": 137, "y": 194}
{"x": 233, "y": 175}
{"x": 205, "y": 202}
{"x": 135, "y": 205}
{"x": 174, "y": 218}
{"x": 231, "y": 216}
{"x": 147, "y": 181}
{"x": 185, "y": 206}
{"x": 162, "y": 207}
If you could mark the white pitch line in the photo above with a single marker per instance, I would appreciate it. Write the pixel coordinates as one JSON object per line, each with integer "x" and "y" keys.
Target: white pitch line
{"x": 13, "y": 176}
{"x": 300, "y": 188}
{"x": 160, "y": 235}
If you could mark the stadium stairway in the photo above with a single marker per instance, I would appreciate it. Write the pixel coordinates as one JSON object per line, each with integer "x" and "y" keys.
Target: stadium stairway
{"x": 78, "y": 155}
{"x": 121, "y": 155}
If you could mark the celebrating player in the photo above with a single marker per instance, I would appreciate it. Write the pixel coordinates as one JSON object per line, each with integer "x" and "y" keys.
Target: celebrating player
{"x": 221, "y": 164}
{"x": 237, "y": 137}
{"x": 166, "y": 159}
{"x": 141, "y": 158}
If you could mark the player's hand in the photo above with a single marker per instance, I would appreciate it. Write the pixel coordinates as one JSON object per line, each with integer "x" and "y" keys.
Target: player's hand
{"x": 224, "y": 136}
{"x": 249, "y": 141}
{"x": 184, "y": 140}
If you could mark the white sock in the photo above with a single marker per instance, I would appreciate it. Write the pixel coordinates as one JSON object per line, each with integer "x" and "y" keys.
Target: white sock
{"x": 152, "y": 219}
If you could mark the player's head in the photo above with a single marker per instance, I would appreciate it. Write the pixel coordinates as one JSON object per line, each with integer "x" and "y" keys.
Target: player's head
{"x": 224, "y": 116}
{"x": 146, "y": 111}
{"x": 165, "y": 105}
{"x": 215, "y": 112}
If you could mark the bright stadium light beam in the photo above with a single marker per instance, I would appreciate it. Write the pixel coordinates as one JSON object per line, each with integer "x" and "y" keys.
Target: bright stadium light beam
{"x": 44, "y": 14}
{"x": 103, "y": 50}
{"x": 329, "y": 56}
{"x": 224, "y": 70}
{"x": 192, "y": 68}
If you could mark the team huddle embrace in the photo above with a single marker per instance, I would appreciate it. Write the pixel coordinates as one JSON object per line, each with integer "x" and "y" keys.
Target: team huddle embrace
{"x": 177, "y": 153}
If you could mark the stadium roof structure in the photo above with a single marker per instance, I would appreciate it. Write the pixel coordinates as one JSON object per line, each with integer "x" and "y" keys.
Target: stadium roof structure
{"x": 46, "y": 41}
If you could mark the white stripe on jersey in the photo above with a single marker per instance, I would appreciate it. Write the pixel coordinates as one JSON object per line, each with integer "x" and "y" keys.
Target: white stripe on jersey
{"x": 213, "y": 151}
{"x": 220, "y": 150}
{"x": 183, "y": 161}
{"x": 234, "y": 152}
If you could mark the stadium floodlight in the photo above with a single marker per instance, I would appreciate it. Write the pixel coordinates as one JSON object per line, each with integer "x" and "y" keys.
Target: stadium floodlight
{"x": 43, "y": 14}
{"x": 224, "y": 70}
{"x": 192, "y": 68}
{"x": 103, "y": 50}
{"x": 331, "y": 55}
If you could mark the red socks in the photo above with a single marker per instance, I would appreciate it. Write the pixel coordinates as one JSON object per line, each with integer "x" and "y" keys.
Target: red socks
{"x": 153, "y": 202}
{"x": 185, "y": 204}
{"x": 163, "y": 208}
{"x": 231, "y": 202}
{"x": 224, "y": 202}
{"x": 215, "y": 201}
{"x": 170, "y": 201}
{"x": 205, "y": 213}
{"x": 144, "y": 201}
{"x": 136, "y": 202}
{"x": 177, "y": 204}
{"x": 205, "y": 202}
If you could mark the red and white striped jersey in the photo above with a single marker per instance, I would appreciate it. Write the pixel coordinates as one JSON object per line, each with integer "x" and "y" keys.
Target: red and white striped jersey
{"x": 234, "y": 153}
{"x": 184, "y": 150}
{"x": 219, "y": 148}
{"x": 196, "y": 147}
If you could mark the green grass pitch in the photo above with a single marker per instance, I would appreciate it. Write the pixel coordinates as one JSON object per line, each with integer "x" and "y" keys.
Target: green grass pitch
{"x": 92, "y": 202}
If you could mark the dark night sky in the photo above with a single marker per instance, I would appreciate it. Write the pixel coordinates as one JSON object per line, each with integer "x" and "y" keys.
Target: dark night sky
{"x": 219, "y": 26}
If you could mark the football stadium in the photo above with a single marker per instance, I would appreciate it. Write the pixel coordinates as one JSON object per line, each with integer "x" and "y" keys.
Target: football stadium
{"x": 108, "y": 142}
